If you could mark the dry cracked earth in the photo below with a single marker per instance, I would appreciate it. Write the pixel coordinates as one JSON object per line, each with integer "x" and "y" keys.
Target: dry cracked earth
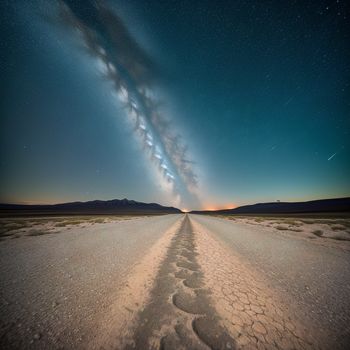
{"x": 203, "y": 298}
{"x": 180, "y": 315}
{"x": 172, "y": 282}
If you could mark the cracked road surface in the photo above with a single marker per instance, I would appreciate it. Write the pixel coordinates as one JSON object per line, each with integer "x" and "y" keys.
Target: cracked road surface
{"x": 180, "y": 315}
{"x": 173, "y": 282}
{"x": 296, "y": 292}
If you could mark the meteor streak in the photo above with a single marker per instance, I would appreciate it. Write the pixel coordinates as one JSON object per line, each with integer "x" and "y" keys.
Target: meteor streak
{"x": 332, "y": 156}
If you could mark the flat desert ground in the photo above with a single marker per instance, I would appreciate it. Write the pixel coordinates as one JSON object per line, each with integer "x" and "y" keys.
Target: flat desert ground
{"x": 177, "y": 281}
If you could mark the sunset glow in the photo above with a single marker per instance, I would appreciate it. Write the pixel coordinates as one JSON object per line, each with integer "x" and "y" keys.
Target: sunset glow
{"x": 220, "y": 207}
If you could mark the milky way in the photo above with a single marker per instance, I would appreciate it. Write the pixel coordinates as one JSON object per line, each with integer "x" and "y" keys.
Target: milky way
{"x": 132, "y": 73}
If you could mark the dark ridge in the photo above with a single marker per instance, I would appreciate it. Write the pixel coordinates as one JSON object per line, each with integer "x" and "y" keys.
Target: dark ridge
{"x": 114, "y": 206}
{"x": 336, "y": 205}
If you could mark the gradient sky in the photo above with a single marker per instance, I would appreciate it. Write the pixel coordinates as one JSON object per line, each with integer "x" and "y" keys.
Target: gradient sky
{"x": 257, "y": 91}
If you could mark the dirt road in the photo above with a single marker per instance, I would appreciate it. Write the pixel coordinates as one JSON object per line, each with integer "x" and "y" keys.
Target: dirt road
{"x": 173, "y": 282}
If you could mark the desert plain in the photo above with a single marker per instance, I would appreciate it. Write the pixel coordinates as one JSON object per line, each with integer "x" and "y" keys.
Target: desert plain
{"x": 178, "y": 281}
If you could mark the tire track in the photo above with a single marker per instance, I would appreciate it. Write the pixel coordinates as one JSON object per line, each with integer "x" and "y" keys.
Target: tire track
{"x": 179, "y": 314}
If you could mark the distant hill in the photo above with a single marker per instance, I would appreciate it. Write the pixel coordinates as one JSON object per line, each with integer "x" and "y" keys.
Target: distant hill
{"x": 316, "y": 206}
{"x": 114, "y": 206}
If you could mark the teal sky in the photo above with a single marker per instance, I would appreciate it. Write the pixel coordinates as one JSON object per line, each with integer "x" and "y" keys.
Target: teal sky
{"x": 245, "y": 101}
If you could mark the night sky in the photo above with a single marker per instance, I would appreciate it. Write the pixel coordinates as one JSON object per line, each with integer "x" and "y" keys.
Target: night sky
{"x": 197, "y": 104}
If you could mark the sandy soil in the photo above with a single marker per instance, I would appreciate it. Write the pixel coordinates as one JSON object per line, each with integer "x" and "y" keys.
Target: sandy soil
{"x": 327, "y": 231}
{"x": 13, "y": 228}
{"x": 68, "y": 290}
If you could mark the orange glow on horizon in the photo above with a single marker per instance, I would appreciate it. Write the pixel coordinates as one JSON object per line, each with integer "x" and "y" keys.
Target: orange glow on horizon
{"x": 220, "y": 207}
